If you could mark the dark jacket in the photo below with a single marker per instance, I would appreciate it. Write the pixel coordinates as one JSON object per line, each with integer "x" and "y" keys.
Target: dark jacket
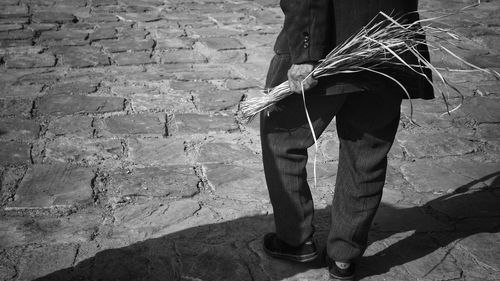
{"x": 312, "y": 28}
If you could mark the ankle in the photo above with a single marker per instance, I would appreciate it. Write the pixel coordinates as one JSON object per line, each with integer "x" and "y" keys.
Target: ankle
{"x": 342, "y": 265}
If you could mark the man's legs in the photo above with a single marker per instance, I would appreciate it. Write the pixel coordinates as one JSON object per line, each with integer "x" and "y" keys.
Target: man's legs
{"x": 285, "y": 137}
{"x": 366, "y": 125}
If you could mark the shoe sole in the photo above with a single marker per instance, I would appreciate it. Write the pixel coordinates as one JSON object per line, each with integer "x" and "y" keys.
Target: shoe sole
{"x": 295, "y": 258}
{"x": 346, "y": 278}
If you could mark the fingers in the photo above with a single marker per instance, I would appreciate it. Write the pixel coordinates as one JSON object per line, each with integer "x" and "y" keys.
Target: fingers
{"x": 308, "y": 83}
{"x": 298, "y": 76}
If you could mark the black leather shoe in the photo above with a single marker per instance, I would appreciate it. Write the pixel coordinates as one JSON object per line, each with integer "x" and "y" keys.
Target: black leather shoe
{"x": 276, "y": 248}
{"x": 337, "y": 273}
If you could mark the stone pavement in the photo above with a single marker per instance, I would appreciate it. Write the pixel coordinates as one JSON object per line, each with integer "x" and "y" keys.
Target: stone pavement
{"x": 121, "y": 158}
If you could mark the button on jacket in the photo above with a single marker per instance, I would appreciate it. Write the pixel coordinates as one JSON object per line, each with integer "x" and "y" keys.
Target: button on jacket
{"x": 312, "y": 28}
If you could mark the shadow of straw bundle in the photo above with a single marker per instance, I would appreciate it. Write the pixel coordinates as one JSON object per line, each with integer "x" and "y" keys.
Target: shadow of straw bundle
{"x": 380, "y": 44}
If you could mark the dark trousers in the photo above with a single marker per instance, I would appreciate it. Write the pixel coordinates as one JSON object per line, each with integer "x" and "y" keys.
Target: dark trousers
{"x": 366, "y": 125}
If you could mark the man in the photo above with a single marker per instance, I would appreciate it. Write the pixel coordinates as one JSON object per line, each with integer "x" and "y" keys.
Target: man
{"x": 367, "y": 110}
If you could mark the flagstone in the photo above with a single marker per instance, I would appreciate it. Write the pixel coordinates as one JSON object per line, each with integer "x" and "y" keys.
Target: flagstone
{"x": 40, "y": 261}
{"x": 164, "y": 182}
{"x": 157, "y": 152}
{"x": 53, "y": 186}
{"x": 19, "y": 129}
{"x": 191, "y": 123}
{"x": 14, "y": 153}
{"x": 71, "y": 104}
{"x": 30, "y": 60}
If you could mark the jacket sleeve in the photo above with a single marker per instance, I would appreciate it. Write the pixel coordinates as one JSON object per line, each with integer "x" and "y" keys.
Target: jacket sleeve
{"x": 308, "y": 25}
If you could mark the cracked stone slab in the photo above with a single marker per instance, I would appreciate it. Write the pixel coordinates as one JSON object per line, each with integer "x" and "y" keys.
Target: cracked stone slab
{"x": 23, "y": 34}
{"x": 132, "y": 44}
{"x": 147, "y": 74}
{"x": 129, "y": 90}
{"x": 192, "y": 123}
{"x": 481, "y": 247}
{"x": 71, "y": 126}
{"x": 110, "y": 20}
{"x": 148, "y": 101}
{"x": 473, "y": 269}
{"x": 136, "y": 124}
{"x": 76, "y": 228}
{"x": 86, "y": 151}
{"x": 211, "y": 262}
{"x": 7, "y": 271}
{"x": 210, "y": 73}
{"x": 153, "y": 259}
{"x": 241, "y": 84}
{"x": 491, "y": 134}
{"x": 486, "y": 61}
{"x": 172, "y": 42}
{"x": 218, "y": 100}
{"x": 53, "y": 186}
{"x": 138, "y": 221}
{"x": 63, "y": 35}
{"x": 228, "y": 57}
{"x": 14, "y": 153}
{"x": 21, "y": 91}
{"x": 138, "y": 33}
{"x": 36, "y": 76}
{"x": 484, "y": 172}
{"x": 173, "y": 182}
{"x": 489, "y": 88}
{"x": 427, "y": 113}
{"x": 225, "y": 152}
{"x": 72, "y": 104}
{"x": 212, "y": 32}
{"x": 102, "y": 33}
{"x": 222, "y": 43}
{"x": 80, "y": 57}
{"x": 20, "y": 20}
{"x": 482, "y": 109}
{"x": 421, "y": 256}
{"x": 157, "y": 152}
{"x": 14, "y": 11}
{"x": 251, "y": 70}
{"x": 41, "y": 261}
{"x": 434, "y": 144}
{"x": 139, "y": 58}
{"x": 181, "y": 57}
{"x": 141, "y": 17}
{"x": 30, "y": 60}
{"x": 253, "y": 40}
{"x": 191, "y": 85}
{"x": 237, "y": 182}
{"x": 9, "y": 179}
{"x": 228, "y": 209}
{"x": 19, "y": 129}
{"x": 52, "y": 17}
{"x": 438, "y": 178}
{"x": 15, "y": 107}
{"x": 79, "y": 86}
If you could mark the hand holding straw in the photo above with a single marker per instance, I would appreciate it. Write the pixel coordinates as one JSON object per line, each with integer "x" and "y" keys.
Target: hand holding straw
{"x": 378, "y": 45}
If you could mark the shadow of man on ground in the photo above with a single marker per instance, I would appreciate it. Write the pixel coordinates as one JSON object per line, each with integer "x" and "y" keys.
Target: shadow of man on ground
{"x": 436, "y": 227}
{"x": 232, "y": 250}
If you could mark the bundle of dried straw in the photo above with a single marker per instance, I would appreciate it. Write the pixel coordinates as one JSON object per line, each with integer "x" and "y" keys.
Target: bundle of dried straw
{"x": 379, "y": 45}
